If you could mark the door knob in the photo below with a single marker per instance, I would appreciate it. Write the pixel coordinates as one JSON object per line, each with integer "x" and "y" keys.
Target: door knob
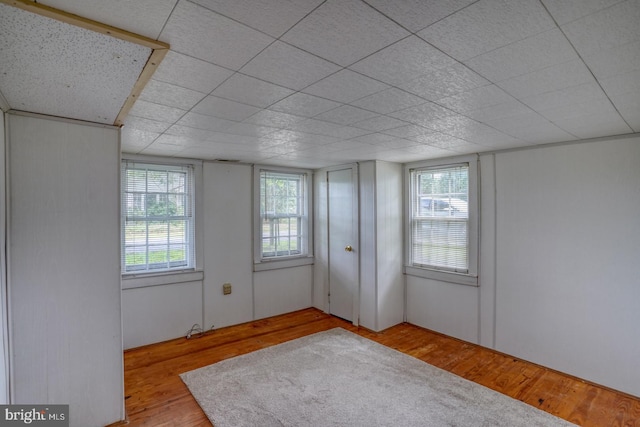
{"x": 348, "y": 248}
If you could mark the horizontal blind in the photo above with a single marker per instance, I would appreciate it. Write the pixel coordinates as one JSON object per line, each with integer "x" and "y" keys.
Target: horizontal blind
{"x": 440, "y": 218}
{"x": 157, "y": 217}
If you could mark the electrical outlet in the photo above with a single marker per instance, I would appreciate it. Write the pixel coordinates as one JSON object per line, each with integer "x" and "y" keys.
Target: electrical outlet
{"x": 226, "y": 289}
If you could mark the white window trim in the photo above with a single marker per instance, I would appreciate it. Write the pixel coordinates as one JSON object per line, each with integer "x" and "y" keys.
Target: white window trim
{"x": 470, "y": 278}
{"x": 144, "y": 279}
{"x": 263, "y": 264}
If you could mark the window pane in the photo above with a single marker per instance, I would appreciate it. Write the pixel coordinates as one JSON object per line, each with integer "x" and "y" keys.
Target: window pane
{"x": 282, "y": 212}
{"x": 157, "y": 222}
{"x": 440, "y": 218}
{"x": 157, "y": 182}
{"x": 136, "y": 180}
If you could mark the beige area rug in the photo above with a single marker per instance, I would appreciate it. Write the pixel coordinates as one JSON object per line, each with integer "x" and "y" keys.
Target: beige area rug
{"x": 337, "y": 378}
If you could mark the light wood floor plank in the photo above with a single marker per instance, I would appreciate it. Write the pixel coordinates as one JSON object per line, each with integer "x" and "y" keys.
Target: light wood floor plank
{"x": 155, "y": 395}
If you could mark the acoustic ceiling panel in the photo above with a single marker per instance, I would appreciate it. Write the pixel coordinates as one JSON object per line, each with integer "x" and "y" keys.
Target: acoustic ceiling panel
{"x": 51, "y": 67}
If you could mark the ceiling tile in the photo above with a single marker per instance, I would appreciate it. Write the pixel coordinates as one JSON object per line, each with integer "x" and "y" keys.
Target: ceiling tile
{"x": 344, "y": 31}
{"x": 606, "y": 29}
{"x": 622, "y": 84}
{"x": 481, "y": 97}
{"x": 346, "y": 115}
{"x": 522, "y": 57}
{"x": 248, "y": 129}
{"x": 146, "y": 125}
{"x": 445, "y": 82}
{"x": 190, "y": 73}
{"x": 329, "y": 129}
{"x": 425, "y": 151}
{"x": 248, "y": 90}
{"x": 490, "y": 137}
{"x": 162, "y": 113}
{"x": 225, "y": 109}
{"x": 441, "y": 140}
{"x": 304, "y": 105}
{"x": 284, "y": 136}
{"x": 487, "y": 25}
{"x": 170, "y": 95}
{"x": 423, "y": 114}
{"x": 458, "y": 126}
{"x": 403, "y": 61}
{"x": 135, "y": 140}
{"x": 345, "y": 86}
{"x": 408, "y": 131}
{"x": 564, "y": 11}
{"x": 593, "y": 125}
{"x": 555, "y": 77}
{"x": 54, "y": 68}
{"x": 388, "y": 100}
{"x": 144, "y": 17}
{"x": 573, "y": 95}
{"x": 629, "y": 107}
{"x": 415, "y": 15}
{"x": 273, "y": 17}
{"x": 288, "y": 66}
{"x": 189, "y": 132}
{"x": 614, "y": 61}
{"x": 510, "y": 108}
{"x": 196, "y": 31}
{"x": 274, "y": 119}
{"x": 532, "y": 128}
{"x": 201, "y": 121}
{"x": 387, "y": 141}
{"x": 379, "y": 123}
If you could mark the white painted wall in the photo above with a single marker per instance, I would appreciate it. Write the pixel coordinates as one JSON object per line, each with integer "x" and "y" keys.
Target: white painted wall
{"x": 282, "y": 291}
{"x": 389, "y": 245}
{"x": 64, "y": 274}
{"x": 448, "y": 308}
{"x": 157, "y": 313}
{"x": 381, "y": 247}
{"x": 568, "y": 244}
{"x": 4, "y": 329}
{"x": 228, "y": 247}
{"x": 559, "y": 244}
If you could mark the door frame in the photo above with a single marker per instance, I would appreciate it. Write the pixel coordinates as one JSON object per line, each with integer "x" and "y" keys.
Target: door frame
{"x": 322, "y": 254}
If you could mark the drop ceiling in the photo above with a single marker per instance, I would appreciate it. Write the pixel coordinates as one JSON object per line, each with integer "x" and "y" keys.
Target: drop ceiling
{"x": 315, "y": 83}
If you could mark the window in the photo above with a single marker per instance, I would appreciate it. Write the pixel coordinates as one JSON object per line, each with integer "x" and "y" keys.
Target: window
{"x": 442, "y": 218}
{"x": 157, "y": 217}
{"x": 283, "y": 227}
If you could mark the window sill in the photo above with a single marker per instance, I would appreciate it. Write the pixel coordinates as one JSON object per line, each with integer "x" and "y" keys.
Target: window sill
{"x": 277, "y": 264}
{"x": 442, "y": 276}
{"x": 133, "y": 281}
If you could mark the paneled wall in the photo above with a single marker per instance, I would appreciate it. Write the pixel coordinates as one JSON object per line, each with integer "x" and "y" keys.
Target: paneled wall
{"x": 560, "y": 240}
{"x": 64, "y": 274}
{"x": 4, "y": 329}
{"x": 381, "y": 248}
{"x": 162, "y": 312}
{"x": 568, "y": 244}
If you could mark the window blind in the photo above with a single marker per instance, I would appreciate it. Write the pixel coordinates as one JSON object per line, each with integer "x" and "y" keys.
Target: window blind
{"x": 157, "y": 217}
{"x": 282, "y": 214}
{"x": 440, "y": 218}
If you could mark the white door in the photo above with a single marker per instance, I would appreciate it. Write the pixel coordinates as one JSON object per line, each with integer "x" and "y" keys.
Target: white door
{"x": 343, "y": 239}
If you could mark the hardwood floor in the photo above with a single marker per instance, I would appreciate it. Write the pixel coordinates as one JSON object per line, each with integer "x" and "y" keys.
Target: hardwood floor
{"x": 156, "y": 396}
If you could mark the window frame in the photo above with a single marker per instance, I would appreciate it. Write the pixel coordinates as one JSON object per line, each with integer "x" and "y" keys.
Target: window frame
{"x": 161, "y": 164}
{"x": 306, "y": 253}
{"x": 428, "y": 272}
